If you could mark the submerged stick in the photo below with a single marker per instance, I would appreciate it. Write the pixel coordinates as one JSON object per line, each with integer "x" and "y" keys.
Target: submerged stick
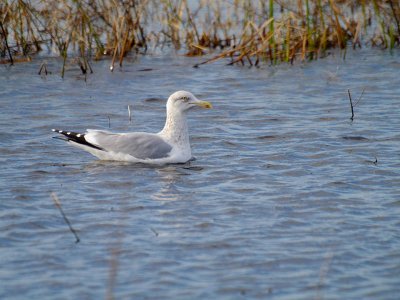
{"x": 351, "y": 106}
{"x": 154, "y": 231}
{"x": 43, "y": 68}
{"x": 58, "y": 204}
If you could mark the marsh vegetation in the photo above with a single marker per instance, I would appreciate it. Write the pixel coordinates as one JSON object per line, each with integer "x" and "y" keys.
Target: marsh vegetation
{"x": 245, "y": 32}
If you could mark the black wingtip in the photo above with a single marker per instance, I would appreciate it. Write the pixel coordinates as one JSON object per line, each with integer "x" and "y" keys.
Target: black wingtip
{"x": 75, "y": 137}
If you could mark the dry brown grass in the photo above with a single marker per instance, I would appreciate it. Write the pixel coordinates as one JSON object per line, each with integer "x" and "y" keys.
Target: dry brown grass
{"x": 246, "y": 32}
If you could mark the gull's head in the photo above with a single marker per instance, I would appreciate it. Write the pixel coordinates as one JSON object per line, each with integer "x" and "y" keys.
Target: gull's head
{"x": 182, "y": 101}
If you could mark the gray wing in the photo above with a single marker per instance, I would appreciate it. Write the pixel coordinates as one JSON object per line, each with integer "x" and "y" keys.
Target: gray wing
{"x": 138, "y": 144}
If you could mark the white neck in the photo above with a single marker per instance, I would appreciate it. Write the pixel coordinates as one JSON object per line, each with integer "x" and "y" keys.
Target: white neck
{"x": 176, "y": 128}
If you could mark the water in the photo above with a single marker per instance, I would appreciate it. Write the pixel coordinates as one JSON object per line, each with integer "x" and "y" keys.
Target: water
{"x": 287, "y": 198}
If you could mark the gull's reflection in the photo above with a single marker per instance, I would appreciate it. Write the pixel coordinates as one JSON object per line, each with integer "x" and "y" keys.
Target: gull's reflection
{"x": 165, "y": 181}
{"x": 100, "y": 166}
{"x": 170, "y": 176}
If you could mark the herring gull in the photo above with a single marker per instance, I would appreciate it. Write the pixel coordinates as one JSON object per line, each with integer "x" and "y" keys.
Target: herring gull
{"x": 170, "y": 145}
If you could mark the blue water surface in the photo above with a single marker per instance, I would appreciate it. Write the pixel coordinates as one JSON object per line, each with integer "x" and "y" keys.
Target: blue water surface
{"x": 287, "y": 198}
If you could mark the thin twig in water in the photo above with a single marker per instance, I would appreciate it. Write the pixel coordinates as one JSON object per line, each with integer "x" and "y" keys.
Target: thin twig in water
{"x": 129, "y": 114}
{"x": 58, "y": 204}
{"x": 362, "y": 93}
{"x": 43, "y": 68}
{"x": 154, "y": 231}
{"x": 351, "y": 106}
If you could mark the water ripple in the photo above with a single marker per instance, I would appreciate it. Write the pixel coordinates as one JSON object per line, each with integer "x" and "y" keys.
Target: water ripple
{"x": 287, "y": 198}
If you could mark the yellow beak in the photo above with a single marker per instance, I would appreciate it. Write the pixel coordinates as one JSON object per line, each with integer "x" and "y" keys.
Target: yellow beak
{"x": 203, "y": 104}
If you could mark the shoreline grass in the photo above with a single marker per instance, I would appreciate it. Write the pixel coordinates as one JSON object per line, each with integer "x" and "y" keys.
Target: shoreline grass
{"x": 245, "y": 32}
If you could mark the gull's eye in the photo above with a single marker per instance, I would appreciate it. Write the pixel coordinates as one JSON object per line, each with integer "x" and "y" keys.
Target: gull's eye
{"x": 185, "y": 99}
